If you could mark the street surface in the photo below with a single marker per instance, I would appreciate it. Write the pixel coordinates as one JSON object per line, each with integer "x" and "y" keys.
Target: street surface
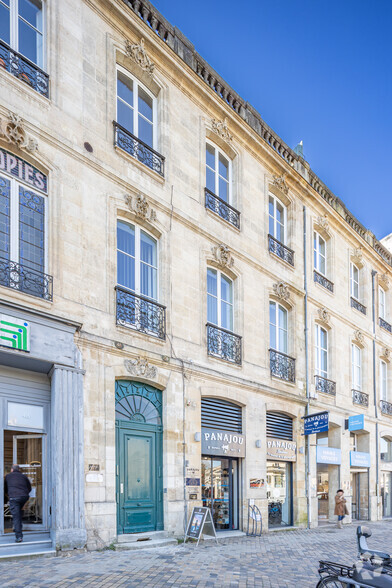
{"x": 279, "y": 559}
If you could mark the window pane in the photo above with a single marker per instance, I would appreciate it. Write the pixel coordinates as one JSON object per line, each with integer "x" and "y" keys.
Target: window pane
{"x": 322, "y": 265}
{"x": 148, "y": 249}
{"x": 125, "y": 270}
{"x": 272, "y": 314}
{"x": 126, "y": 238}
{"x": 227, "y": 316}
{"x": 210, "y": 180}
{"x": 271, "y": 227}
{"x": 271, "y": 206}
{"x": 282, "y": 316}
{"x": 210, "y": 156}
{"x": 5, "y": 22}
{"x": 145, "y": 104}
{"x": 145, "y": 131}
{"x": 31, "y": 229}
{"x": 30, "y": 43}
{"x": 223, "y": 167}
{"x": 212, "y": 309}
{"x": 324, "y": 363}
{"x": 279, "y": 232}
{"x": 125, "y": 115}
{"x": 322, "y": 246}
{"x": 323, "y": 339}
{"x": 282, "y": 341}
{"x": 212, "y": 282}
{"x": 223, "y": 189}
{"x": 5, "y": 191}
{"x": 226, "y": 290}
{"x": 148, "y": 279}
{"x": 31, "y": 11}
{"x": 279, "y": 213}
{"x": 125, "y": 89}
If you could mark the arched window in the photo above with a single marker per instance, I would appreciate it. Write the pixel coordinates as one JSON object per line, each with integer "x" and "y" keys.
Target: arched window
{"x": 278, "y": 327}
{"x": 218, "y": 173}
{"x": 137, "y": 264}
{"x": 22, "y": 28}
{"x": 356, "y": 367}
{"x": 135, "y": 108}
{"x": 354, "y": 281}
{"x": 277, "y": 219}
{"x": 383, "y": 380}
{"x": 320, "y": 254}
{"x": 321, "y": 348}
{"x": 220, "y": 307}
{"x": 138, "y": 402}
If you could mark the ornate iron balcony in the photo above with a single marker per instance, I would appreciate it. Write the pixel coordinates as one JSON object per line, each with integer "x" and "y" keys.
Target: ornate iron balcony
{"x": 140, "y": 313}
{"x": 138, "y": 149}
{"x": 323, "y": 281}
{"x": 357, "y": 305}
{"x": 325, "y": 386}
{"x": 385, "y": 325}
{"x": 360, "y": 398}
{"x": 282, "y": 251}
{"x": 282, "y": 366}
{"x": 24, "y": 69}
{"x": 224, "y": 344}
{"x": 25, "y": 279}
{"x": 386, "y": 407}
{"x": 222, "y": 208}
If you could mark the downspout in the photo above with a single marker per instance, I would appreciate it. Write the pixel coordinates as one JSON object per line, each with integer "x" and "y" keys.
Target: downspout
{"x": 375, "y": 387}
{"x": 307, "y": 454}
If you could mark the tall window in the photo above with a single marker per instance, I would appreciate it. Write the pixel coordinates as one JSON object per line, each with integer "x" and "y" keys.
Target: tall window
{"x": 320, "y": 254}
{"x": 356, "y": 367}
{"x": 219, "y": 299}
{"x": 354, "y": 281}
{"x": 135, "y": 109}
{"x": 278, "y": 327}
{"x": 382, "y": 310}
{"x": 321, "y": 337}
{"x": 218, "y": 171}
{"x": 21, "y": 27}
{"x": 137, "y": 268}
{"x": 383, "y": 380}
{"x": 277, "y": 219}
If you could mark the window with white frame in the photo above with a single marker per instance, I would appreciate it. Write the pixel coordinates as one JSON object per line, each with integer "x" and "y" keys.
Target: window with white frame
{"x": 354, "y": 281}
{"x": 136, "y": 109}
{"x": 218, "y": 173}
{"x": 220, "y": 308}
{"x": 320, "y": 254}
{"x": 356, "y": 367}
{"x": 321, "y": 347}
{"x": 21, "y": 27}
{"x": 383, "y": 380}
{"x": 137, "y": 263}
{"x": 277, "y": 219}
{"x": 278, "y": 327}
{"x": 382, "y": 309}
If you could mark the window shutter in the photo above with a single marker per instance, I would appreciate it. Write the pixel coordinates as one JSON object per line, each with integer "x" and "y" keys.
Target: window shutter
{"x": 221, "y": 415}
{"x": 279, "y": 426}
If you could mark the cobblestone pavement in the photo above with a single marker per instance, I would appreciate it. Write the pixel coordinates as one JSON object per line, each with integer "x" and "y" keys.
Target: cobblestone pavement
{"x": 284, "y": 559}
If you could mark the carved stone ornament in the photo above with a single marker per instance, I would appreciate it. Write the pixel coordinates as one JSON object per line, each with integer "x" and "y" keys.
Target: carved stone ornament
{"x": 357, "y": 255}
{"x": 140, "y": 367}
{"x": 280, "y": 183}
{"x": 384, "y": 281}
{"x": 386, "y": 354}
{"x": 12, "y": 130}
{"x": 222, "y": 256}
{"x": 220, "y": 128}
{"x": 322, "y": 222}
{"x": 324, "y": 315}
{"x": 281, "y": 290}
{"x": 138, "y": 53}
{"x": 141, "y": 207}
{"x": 359, "y": 337}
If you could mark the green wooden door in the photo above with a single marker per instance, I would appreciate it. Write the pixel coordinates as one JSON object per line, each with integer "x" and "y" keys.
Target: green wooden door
{"x": 139, "y": 458}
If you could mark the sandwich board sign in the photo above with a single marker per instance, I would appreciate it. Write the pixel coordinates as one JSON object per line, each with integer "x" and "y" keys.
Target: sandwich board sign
{"x": 199, "y": 524}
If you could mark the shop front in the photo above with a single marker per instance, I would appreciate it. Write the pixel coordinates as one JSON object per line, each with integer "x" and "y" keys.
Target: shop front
{"x": 386, "y": 476}
{"x": 223, "y": 448}
{"x": 328, "y": 461}
{"x": 359, "y": 471}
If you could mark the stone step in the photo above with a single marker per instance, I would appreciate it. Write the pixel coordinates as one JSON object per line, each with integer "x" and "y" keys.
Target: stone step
{"x": 27, "y": 549}
{"x": 141, "y": 537}
{"x": 149, "y": 544}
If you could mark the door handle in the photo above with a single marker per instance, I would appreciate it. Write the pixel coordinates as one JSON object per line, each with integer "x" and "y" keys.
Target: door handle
{"x": 122, "y": 488}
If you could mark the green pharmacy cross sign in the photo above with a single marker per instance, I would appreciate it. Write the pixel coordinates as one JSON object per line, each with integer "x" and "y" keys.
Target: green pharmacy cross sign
{"x": 14, "y": 333}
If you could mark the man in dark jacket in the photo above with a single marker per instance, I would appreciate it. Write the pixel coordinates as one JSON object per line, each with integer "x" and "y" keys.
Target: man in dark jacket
{"x": 17, "y": 487}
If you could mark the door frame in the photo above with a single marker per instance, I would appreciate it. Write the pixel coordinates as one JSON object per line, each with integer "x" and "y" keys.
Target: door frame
{"x": 232, "y": 506}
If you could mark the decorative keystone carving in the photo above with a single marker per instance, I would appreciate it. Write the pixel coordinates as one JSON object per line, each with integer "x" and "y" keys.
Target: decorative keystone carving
{"x": 223, "y": 256}
{"x": 324, "y": 315}
{"x": 281, "y": 290}
{"x": 357, "y": 256}
{"x": 220, "y": 128}
{"x": 140, "y": 367}
{"x": 280, "y": 182}
{"x": 384, "y": 281}
{"x": 386, "y": 354}
{"x": 323, "y": 223}
{"x": 141, "y": 207}
{"x": 359, "y": 337}
{"x": 138, "y": 53}
{"x": 13, "y": 131}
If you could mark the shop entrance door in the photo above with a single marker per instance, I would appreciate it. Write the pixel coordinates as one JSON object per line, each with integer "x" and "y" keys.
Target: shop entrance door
{"x": 219, "y": 477}
{"x": 360, "y": 495}
{"x": 28, "y": 451}
{"x": 279, "y": 486}
{"x": 386, "y": 494}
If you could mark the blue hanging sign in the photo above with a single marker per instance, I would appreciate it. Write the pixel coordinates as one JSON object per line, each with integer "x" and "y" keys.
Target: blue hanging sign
{"x": 316, "y": 423}
{"x": 360, "y": 459}
{"x": 356, "y": 422}
{"x": 331, "y": 455}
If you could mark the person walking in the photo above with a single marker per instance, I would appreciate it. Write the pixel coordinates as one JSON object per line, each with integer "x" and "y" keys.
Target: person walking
{"x": 340, "y": 507}
{"x": 17, "y": 487}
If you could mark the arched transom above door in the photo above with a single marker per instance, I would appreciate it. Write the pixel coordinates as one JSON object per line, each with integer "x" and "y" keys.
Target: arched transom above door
{"x": 138, "y": 402}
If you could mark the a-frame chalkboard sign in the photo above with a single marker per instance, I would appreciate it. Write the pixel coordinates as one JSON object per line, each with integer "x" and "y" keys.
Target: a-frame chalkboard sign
{"x": 200, "y": 523}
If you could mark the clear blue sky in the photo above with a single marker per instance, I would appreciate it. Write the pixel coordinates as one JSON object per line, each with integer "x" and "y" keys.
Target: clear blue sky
{"x": 318, "y": 71}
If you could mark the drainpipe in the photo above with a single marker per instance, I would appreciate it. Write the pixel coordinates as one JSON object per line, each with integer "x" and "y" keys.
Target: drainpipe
{"x": 307, "y": 454}
{"x": 375, "y": 386}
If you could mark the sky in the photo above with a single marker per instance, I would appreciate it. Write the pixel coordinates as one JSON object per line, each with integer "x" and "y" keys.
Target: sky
{"x": 319, "y": 71}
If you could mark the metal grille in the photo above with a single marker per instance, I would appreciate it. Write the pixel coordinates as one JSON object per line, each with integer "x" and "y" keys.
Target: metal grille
{"x": 221, "y": 415}
{"x": 24, "y": 69}
{"x": 279, "y": 426}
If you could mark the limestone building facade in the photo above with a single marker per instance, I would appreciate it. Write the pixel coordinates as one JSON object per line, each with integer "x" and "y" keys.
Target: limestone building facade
{"x": 178, "y": 289}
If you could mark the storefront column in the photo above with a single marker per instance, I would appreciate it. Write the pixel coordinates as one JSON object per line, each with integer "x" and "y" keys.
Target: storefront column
{"x": 68, "y": 522}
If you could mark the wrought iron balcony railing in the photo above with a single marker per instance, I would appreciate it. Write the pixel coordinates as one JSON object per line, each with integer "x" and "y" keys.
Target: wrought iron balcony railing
{"x": 360, "y": 398}
{"x": 24, "y": 69}
{"x": 282, "y": 366}
{"x": 25, "y": 279}
{"x": 138, "y": 149}
{"x": 386, "y": 407}
{"x": 325, "y": 386}
{"x": 224, "y": 344}
{"x": 282, "y": 251}
{"x": 140, "y": 313}
{"x": 357, "y": 305}
{"x": 222, "y": 208}
{"x": 385, "y": 325}
{"x": 323, "y": 281}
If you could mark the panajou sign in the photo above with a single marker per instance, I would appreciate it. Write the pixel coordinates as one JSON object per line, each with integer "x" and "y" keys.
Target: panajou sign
{"x": 215, "y": 442}
{"x": 316, "y": 423}
{"x": 278, "y": 449}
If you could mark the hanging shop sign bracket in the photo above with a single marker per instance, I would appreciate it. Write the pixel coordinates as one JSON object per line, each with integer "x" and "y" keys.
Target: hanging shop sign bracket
{"x": 199, "y": 524}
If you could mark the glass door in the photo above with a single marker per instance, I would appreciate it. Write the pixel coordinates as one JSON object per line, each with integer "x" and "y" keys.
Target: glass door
{"x": 220, "y": 490}
{"x": 279, "y": 494}
{"x": 386, "y": 494}
{"x": 28, "y": 451}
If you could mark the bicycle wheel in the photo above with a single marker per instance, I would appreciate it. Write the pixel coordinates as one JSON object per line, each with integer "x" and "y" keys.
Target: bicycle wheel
{"x": 331, "y": 582}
